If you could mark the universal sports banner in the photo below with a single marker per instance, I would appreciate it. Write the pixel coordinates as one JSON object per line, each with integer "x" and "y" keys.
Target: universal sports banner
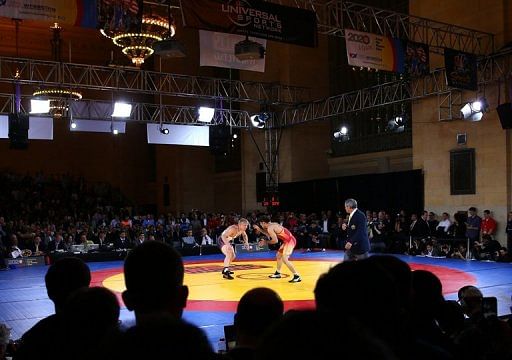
{"x": 73, "y": 12}
{"x": 253, "y": 18}
{"x": 374, "y": 51}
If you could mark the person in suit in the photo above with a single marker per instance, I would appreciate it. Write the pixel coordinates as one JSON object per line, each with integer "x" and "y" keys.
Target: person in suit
{"x": 357, "y": 244}
{"x": 56, "y": 244}
{"x": 122, "y": 242}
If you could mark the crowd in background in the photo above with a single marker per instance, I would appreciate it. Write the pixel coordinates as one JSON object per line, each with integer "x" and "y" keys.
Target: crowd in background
{"x": 41, "y": 214}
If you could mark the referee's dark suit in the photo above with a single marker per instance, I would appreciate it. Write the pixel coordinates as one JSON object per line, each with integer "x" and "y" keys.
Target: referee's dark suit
{"x": 357, "y": 236}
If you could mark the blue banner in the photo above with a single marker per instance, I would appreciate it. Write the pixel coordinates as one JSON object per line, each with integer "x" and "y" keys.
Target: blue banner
{"x": 461, "y": 69}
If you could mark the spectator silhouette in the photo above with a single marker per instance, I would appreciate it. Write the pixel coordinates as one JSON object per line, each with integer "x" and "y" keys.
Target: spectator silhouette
{"x": 90, "y": 317}
{"x": 369, "y": 293}
{"x": 401, "y": 273}
{"x": 153, "y": 274}
{"x": 451, "y": 320}
{"x": 5, "y": 334}
{"x": 257, "y": 310}
{"x": 470, "y": 298}
{"x": 364, "y": 291}
{"x": 483, "y": 337}
{"x": 43, "y": 340}
{"x": 426, "y": 305}
{"x": 315, "y": 335}
{"x": 163, "y": 337}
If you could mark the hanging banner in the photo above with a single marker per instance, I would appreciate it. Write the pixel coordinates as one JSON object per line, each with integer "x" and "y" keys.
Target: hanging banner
{"x": 218, "y": 49}
{"x": 461, "y": 70}
{"x": 73, "y": 12}
{"x": 253, "y": 18}
{"x": 416, "y": 59}
{"x": 374, "y": 51}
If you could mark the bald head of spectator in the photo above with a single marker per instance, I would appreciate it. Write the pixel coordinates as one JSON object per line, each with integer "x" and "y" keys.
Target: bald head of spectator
{"x": 64, "y": 277}
{"x": 153, "y": 274}
{"x": 257, "y": 310}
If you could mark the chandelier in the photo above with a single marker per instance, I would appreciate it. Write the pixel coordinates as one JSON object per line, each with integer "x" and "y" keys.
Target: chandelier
{"x": 58, "y": 99}
{"x": 138, "y": 45}
{"x": 54, "y": 100}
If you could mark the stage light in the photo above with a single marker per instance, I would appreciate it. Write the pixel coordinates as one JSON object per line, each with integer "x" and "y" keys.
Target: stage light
{"x": 164, "y": 131}
{"x": 73, "y": 125}
{"x": 235, "y": 136}
{"x": 259, "y": 120}
{"x": 474, "y": 110}
{"x": 397, "y": 124}
{"x": 122, "y": 110}
{"x": 206, "y": 114}
{"x": 39, "y": 106}
{"x": 342, "y": 134}
{"x": 115, "y": 131}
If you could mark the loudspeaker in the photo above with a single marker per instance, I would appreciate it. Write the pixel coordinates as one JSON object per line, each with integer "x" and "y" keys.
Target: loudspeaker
{"x": 505, "y": 115}
{"x": 220, "y": 139}
{"x": 462, "y": 172}
{"x": 18, "y": 131}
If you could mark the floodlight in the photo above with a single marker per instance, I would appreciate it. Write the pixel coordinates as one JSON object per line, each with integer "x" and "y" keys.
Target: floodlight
{"x": 38, "y": 106}
{"x": 206, "y": 114}
{"x": 122, "y": 110}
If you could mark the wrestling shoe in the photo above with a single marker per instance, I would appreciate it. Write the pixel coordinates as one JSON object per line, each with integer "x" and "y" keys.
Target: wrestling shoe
{"x": 295, "y": 279}
{"x": 276, "y": 275}
{"x": 227, "y": 275}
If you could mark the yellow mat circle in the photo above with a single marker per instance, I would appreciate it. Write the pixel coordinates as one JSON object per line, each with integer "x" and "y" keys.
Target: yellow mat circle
{"x": 205, "y": 281}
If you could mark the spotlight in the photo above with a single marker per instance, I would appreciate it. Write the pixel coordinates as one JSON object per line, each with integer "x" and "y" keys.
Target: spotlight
{"x": 474, "y": 111}
{"x": 115, "y": 131}
{"x": 206, "y": 114}
{"x": 164, "y": 131}
{"x": 397, "y": 124}
{"x": 73, "y": 125}
{"x": 259, "y": 120}
{"x": 122, "y": 110}
{"x": 38, "y": 106}
{"x": 235, "y": 136}
{"x": 342, "y": 134}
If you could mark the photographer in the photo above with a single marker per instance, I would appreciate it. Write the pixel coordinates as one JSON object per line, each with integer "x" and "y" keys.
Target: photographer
{"x": 379, "y": 229}
{"x": 401, "y": 234}
{"x": 487, "y": 249}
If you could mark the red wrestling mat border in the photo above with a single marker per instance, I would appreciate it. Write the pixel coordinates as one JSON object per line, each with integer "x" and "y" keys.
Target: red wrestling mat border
{"x": 452, "y": 280}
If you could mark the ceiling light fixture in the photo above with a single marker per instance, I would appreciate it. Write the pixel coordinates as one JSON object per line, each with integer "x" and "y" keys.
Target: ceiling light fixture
{"x": 136, "y": 44}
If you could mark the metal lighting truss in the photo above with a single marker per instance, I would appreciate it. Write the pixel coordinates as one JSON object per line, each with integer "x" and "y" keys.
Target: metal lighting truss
{"x": 333, "y": 17}
{"x": 141, "y": 112}
{"x": 132, "y": 80}
{"x": 272, "y": 139}
{"x": 490, "y": 69}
